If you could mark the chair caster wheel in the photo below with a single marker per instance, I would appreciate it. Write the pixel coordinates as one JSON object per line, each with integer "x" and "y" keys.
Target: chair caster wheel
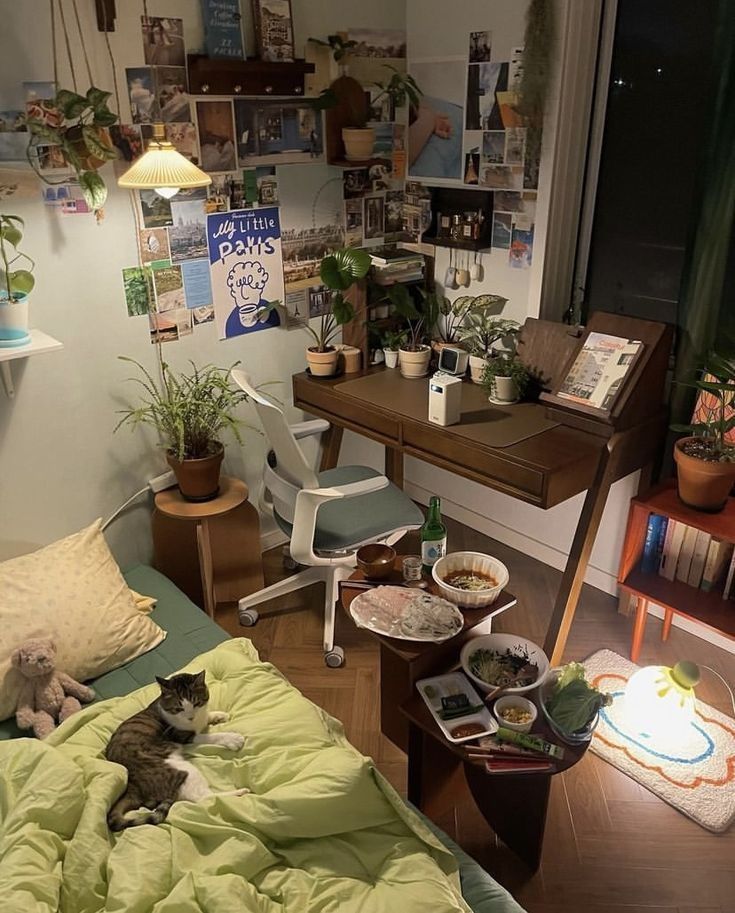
{"x": 248, "y": 617}
{"x": 289, "y": 564}
{"x": 335, "y": 657}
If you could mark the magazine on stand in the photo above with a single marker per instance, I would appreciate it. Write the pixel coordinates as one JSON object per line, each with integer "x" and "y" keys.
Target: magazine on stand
{"x": 599, "y": 370}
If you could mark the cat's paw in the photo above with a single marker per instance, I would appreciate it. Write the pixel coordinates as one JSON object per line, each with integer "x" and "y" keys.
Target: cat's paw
{"x": 218, "y": 716}
{"x": 233, "y": 741}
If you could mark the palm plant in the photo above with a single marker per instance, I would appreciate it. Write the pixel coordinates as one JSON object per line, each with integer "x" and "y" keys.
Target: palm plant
{"x": 188, "y": 411}
{"x": 339, "y": 271}
{"x": 420, "y": 317}
{"x": 401, "y": 87}
{"x": 715, "y": 414}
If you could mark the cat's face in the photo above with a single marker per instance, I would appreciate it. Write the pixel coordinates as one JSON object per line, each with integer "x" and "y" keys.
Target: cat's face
{"x": 184, "y": 701}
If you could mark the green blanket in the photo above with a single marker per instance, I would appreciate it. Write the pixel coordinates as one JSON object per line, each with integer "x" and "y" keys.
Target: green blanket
{"x": 321, "y": 831}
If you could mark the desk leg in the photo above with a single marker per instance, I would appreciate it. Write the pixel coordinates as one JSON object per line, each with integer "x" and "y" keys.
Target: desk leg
{"x": 394, "y": 466}
{"x": 514, "y": 807}
{"x": 584, "y": 538}
{"x": 205, "y": 564}
{"x": 331, "y": 442}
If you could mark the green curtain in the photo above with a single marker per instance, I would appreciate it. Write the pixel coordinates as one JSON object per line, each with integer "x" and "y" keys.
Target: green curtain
{"x": 705, "y": 312}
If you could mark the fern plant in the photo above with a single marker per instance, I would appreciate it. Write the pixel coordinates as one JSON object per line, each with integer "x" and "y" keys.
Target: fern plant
{"x": 189, "y": 411}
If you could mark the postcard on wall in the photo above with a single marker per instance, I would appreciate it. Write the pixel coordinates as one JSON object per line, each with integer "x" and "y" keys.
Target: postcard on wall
{"x": 277, "y": 133}
{"x": 203, "y": 314}
{"x": 480, "y": 47}
{"x": 435, "y": 137}
{"x": 390, "y": 43}
{"x": 502, "y": 228}
{"x": 599, "y": 370}
{"x": 515, "y": 69}
{"x": 273, "y": 29}
{"x": 353, "y": 222}
{"x": 304, "y": 248}
{"x": 153, "y": 245}
{"x": 246, "y": 270}
{"x": 128, "y": 141}
{"x": 223, "y": 28}
{"x": 163, "y": 328}
{"x": 169, "y": 287}
{"x": 172, "y": 94}
{"x": 138, "y": 291}
{"x": 374, "y": 219}
{"x": 155, "y": 209}
{"x": 197, "y": 284}
{"x": 520, "y": 255}
{"x": 297, "y": 308}
{"x": 163, "y": 41}
{"x": 13, "y": 136}
{"x": 188, "y": 234}
{"x": 142, "y": 93}
{"x": 216, "y": 135}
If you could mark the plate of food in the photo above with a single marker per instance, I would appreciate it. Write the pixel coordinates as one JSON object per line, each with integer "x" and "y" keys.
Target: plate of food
{"x": 406, "y": 614}
{"x": 456, "y": 707}
{"x": 506, "y": 661}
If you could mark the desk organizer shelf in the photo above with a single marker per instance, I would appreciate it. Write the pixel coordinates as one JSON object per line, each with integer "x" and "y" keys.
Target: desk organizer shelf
{"x": 215, "y": 76}
{"x": 40, "y": 344}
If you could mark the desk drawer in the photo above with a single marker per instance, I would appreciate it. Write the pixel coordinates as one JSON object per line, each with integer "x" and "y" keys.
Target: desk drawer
{"x": 497, "y": 472}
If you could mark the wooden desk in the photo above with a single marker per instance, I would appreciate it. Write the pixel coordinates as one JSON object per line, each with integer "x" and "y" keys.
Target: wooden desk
{"x": 544, "y": 469}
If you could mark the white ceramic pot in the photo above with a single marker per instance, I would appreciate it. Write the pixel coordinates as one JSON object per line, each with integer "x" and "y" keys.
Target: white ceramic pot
{"x": 322, "y": 364}
{"x": 477, "y": 366}
{"x": 382, "y": 311}
{"x": 504, "y": 390}
{"x": 391, "y": 358}
{"x": 358, "y": 143}
{"x": 415, "y": 364}
{"x": 14, "y": 318}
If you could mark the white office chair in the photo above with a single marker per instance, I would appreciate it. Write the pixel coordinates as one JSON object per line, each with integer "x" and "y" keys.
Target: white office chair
{"x": 327, "y": 515}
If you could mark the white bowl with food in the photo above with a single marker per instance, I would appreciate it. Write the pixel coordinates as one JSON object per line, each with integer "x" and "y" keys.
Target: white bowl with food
{"x": 515, "y": 712}
{"x": 470, "y": 579}
{"x": 506, "y": 661}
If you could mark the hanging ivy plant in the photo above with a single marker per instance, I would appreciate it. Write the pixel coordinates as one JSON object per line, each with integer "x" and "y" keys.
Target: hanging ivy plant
{"x": 80, "y": 129}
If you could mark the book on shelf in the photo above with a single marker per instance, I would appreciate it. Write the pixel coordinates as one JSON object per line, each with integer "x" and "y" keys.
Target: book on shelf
{"x": 728, "y": 591}
{"x": 653, "y": 546}
{"x": 719, "y": 555}
{"x": 223, "y": 29}
{"x": 684, "y": 564}
{"x": 667, "y": 562}
{"x": 384, "y": 255}
{"x": 381, "y": 279}
{"x": 599, "y": 371}
{"x": 699, "y": 557}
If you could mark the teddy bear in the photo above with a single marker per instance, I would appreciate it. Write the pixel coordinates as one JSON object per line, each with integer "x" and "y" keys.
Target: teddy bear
{"x": 46, "y": 692}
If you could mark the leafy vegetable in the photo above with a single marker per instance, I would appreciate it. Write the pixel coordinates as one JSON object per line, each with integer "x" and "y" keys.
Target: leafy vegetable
{"x": 575, "y": 703}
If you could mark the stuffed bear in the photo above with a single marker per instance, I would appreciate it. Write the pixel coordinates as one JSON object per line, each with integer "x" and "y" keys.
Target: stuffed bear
{"x": 46, "y": 693}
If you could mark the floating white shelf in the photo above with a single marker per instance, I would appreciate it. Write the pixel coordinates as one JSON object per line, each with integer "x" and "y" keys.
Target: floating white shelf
{"x": 40, "y": 343}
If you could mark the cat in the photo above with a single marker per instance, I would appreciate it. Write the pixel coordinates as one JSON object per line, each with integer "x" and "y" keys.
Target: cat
{"x": 149, "y": 746}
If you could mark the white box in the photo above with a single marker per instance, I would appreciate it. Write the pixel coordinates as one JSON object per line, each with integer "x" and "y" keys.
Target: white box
{"x": 445, "y": 399}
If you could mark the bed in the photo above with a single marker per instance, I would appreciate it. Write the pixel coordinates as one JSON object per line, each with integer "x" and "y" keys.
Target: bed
{"x": 322, "y": 829}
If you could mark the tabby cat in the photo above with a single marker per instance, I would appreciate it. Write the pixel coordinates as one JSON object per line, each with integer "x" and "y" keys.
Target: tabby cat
{"x": 149, "y": 746}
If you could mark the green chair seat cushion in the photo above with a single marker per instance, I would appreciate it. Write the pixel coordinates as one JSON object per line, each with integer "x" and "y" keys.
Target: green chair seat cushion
{"x": 348, "y": 521}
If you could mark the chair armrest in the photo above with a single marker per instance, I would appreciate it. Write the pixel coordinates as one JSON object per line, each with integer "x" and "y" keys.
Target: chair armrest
{"x": 351, "y": 490}
{"x": 307, "y": 429}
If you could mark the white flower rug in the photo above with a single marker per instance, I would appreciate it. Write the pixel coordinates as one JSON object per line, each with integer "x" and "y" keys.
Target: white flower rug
{"x": 695, "y": 773}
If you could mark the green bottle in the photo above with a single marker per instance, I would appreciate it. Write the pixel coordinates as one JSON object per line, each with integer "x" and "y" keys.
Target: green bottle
{"x": 433, "y": 536}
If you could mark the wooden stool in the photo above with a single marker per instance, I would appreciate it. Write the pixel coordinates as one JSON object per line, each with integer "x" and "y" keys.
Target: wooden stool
{"x": 210, "y": 550}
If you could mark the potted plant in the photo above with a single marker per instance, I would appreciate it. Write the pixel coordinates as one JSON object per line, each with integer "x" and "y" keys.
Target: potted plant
{"x": 705, "y": 459}
{"x": 505, "y": 378}
{"x": 189, "y": 412}
{"x": 400, "y": 88}
{"x": 392, "y": 340}
{"x": 480, "y": 333}
{"x": 339, "y": 271}
{"x": 414, "y": 354}
{"x": 79, "y": 128}
{"x": 15, "y": 284}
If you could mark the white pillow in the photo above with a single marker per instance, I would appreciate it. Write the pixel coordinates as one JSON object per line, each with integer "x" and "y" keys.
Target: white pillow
{"x": 73, "y": 592}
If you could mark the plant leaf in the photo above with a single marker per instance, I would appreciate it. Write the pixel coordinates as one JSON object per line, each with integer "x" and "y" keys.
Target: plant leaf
{"x": 41, "y": 130}
{"x": 97, "y": 98}
{"x": 11, "y": 234}
{"x": 21, "y": 281}
{"x": 104, "y": 118}
{"x": 341, "y": 269}
{"x": 96, "y": 146}
{"x": 94, "y": 189}
{"x": 71, "y": 104}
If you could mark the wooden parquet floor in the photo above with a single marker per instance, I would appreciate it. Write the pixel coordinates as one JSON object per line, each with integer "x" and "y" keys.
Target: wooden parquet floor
{"x": 610, "y": 845}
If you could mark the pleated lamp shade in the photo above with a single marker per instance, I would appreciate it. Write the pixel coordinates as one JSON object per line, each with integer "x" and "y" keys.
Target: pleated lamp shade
{"x": 163, "y": 169}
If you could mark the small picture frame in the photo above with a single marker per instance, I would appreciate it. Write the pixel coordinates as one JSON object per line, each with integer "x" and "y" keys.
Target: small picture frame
{"x": 274, "y": 30}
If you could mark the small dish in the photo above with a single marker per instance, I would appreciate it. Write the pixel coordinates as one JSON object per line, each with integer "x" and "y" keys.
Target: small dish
{"x": 376, "y": 561}
{"x": 504, "y": 704}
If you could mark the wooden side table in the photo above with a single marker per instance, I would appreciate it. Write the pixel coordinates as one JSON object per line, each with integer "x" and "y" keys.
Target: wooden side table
{"x": 513, "y": 804}
{"x": 211, "y": 550}
{"x": 403, "y": 662}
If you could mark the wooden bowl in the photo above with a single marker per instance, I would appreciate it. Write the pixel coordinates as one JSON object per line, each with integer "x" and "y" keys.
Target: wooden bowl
{"x": 376, "y": 560}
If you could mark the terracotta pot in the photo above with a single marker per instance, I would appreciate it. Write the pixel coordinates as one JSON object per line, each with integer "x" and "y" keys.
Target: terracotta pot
{"x": 414, "y": 364}
{"x": 703, "y": 485}
{"x": 322, "y": 364}
{"x": 477, "y": 366}
{"x": 198, "y": 479}
{"x": 359, "y": 143}
{"x": 352, "y": 357}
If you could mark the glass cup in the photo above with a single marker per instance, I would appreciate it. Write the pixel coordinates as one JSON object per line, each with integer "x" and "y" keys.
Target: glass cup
{"x": 412, "y": 570}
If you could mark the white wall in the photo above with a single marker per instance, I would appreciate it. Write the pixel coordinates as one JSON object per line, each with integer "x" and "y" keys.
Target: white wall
{"x": 60, "y": 465}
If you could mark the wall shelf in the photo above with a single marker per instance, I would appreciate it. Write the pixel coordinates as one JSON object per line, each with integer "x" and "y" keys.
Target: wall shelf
{"x": 480, "y": 244}
{"x": 215, "y": 76}
{"x": 40, "y": 344}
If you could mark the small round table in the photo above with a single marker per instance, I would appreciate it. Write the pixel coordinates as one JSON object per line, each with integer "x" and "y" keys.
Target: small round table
{"x": 210, "y": 549}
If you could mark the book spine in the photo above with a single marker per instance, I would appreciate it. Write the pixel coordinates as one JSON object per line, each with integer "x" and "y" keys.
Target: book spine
{"x": 672, "y": 557}
{"x": 650, "y": 547}
{"x": 686, "y": 554}
{"x": 666, "y": 550}
{"x": 728, "y": 589}
{"x": 711, "y": 565}
{"x": 699, "y": 556}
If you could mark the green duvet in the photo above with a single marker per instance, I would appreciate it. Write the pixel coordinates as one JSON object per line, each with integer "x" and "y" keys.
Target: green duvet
{"x": 321, "y": 831}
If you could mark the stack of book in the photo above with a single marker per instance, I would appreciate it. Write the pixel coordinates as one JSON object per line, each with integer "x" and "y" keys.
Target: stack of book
{"x": 680, "y": 552}
{"x": 392, "y": 264}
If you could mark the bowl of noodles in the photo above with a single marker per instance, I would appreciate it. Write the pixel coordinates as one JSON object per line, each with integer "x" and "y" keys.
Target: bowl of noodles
{"x": 470, "y": 579}
{"x": 507, "y": 661}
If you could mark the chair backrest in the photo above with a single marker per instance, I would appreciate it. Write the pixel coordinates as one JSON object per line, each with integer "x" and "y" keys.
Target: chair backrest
{"x": 292, "y": 466}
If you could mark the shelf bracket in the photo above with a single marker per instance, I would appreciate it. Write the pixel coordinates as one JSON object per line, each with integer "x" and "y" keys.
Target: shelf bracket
{"x": 7, "y": 376}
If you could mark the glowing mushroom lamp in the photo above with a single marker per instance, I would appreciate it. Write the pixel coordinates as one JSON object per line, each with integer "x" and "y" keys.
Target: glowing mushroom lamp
{"x": 660, "y": 702}
{"x": 163, "y": 169}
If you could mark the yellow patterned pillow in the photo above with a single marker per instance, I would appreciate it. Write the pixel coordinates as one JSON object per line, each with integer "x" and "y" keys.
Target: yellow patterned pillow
{"x": 73, "y": 592}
